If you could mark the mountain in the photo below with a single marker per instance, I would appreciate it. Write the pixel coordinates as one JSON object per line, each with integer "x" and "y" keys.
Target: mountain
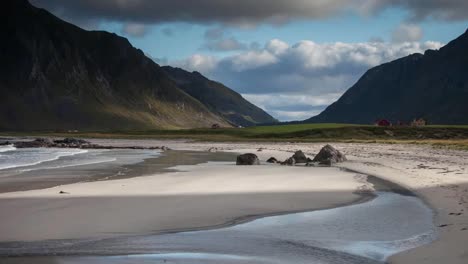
{"x": 219, "y": 98}
{"x": 433, "y": 86}
{"x": 54, "y": 75}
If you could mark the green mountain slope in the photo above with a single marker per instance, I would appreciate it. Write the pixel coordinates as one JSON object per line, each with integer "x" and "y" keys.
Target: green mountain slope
{"x": 219, "y": 98}
{"x": 54, "y": 75}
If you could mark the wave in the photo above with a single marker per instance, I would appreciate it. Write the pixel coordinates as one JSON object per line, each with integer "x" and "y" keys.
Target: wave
{"x": 30, "y": 157}
{"x": 7, "y": 148}
{"x": 71, "y": 165}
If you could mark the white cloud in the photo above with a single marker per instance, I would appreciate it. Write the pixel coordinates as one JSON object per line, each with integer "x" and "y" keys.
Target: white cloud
{"x": 251, "y": 60}
{"x": 197, "y": 62}
{"x": 277, "y": 47}
{"x": 134, "y": 29}
{"x": 407, "y": 33}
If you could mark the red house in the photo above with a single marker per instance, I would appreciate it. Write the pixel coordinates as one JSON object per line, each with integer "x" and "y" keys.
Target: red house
{"x": 383, "y": 123}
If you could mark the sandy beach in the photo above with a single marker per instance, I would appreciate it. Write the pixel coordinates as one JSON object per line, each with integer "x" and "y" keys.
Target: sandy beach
{"x": 197, "y": 196}
{"x": 214, "y": 194}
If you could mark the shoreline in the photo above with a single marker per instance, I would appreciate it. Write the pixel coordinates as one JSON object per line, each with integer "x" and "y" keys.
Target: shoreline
{"x": 222, "y": 194}
{"x": 417, "y": 168}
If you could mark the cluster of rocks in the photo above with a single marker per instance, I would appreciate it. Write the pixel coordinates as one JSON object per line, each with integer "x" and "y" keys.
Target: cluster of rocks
{"x": 327, "y": 156}
{"x": 70, "y": 143}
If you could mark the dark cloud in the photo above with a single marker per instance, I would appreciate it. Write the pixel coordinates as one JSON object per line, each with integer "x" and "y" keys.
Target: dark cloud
{"x": 422, "y": 9}
{"x": 200, "y": 11}
{"x": 243, "y": 13}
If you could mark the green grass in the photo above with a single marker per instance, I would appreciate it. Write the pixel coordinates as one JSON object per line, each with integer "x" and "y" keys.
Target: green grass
{"x": 437, "y": 135}
{"x": 293, "y": 128}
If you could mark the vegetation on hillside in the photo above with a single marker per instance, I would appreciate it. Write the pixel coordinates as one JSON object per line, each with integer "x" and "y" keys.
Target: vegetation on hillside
{"x": 451, "y": 136}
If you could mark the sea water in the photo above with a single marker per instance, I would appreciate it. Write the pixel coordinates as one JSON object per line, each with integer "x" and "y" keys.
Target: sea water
{"x": 32, "y": 168}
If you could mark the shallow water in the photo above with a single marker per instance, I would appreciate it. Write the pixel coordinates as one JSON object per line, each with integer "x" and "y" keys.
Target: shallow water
{"x": 361, "y": 233}
{"x": 367, "y": 232}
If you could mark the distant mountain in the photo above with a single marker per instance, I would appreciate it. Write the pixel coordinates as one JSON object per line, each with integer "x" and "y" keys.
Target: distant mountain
{"x": 433, "y": 86}
{"x": 54, "y": 75}
{"x": 219, "y": 98}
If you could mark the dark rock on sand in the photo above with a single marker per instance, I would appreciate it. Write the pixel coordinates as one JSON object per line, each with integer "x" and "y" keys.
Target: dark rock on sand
{"x": 272, "y": 160}
{"x": 326, "y": 162}
{"x": 247, "y": 159}
{"x": 300, "y": 157}
{"x": 329, "y": 155}
{"x": 290, "y": 162}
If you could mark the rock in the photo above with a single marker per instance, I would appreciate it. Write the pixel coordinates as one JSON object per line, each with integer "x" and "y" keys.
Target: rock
{"x": 37, "y": 143}
{"x": 62, "y": 192}
{"x": 72, "y": 141}
{"x": 309, "y": 160}
{"x": 165, "y": 148}
{"x": 247, "y": 159}
{"x": 260, "y": 149}
{"x": 329, "y": 155}
{"x": 300, "y": 157}
{"x": 325, "y": 162}
{"x": 5, "y": 143}
{"x": 272, "y": 160}
{"x": 289, "y": 162}
{"x": 212, "y": 149}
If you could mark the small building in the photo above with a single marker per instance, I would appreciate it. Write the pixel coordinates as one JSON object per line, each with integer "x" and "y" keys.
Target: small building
{"x": 383, "y": 123}
{"x": 215, "y": 126}
{"x": 418, "y": 122}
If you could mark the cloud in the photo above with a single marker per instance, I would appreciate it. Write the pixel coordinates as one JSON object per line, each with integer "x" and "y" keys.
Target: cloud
{"x": 197, "y": 62}
{"x": 407, "y": 33}
{"x": 214, "y": 33}
{"x": 134, "y": 29}
{"x": 422, "y": 9}
{"x": 288, "y": 107}
{"x": 228, "y": 44}
{"x": 279, "y": 76}
{"x": 245, "y": 13}
{"x": 169, "y": 32}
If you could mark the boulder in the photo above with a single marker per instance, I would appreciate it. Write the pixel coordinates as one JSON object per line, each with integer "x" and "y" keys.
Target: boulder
{"x": 289, "y": 162}
{"x": 329, "y": 155}
{"x": 247, "y": 159}
{"x": 272, "y": 160}
{"x": 300, "y": 157}
{"x": 326, "y": 162}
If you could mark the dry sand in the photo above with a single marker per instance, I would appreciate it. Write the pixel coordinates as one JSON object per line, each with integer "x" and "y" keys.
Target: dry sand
{"x": 217, "y": 194}
{"x": 202, "y": 195}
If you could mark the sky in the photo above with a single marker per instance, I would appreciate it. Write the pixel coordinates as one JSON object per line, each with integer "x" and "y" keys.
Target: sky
{"x": 292, "y": 58}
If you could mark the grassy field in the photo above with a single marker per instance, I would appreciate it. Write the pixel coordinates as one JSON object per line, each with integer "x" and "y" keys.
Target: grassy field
{"x": 437, "y": 135}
